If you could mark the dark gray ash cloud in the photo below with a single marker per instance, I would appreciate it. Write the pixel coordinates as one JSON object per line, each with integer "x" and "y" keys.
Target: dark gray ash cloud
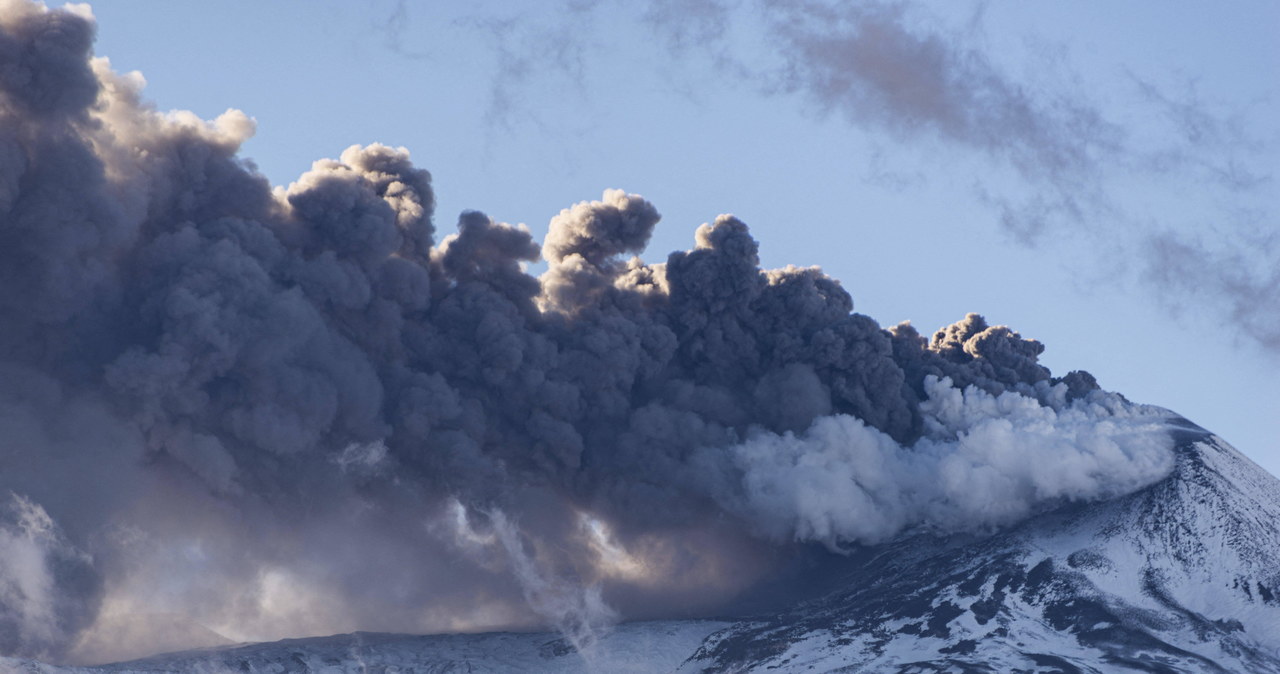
{"x": 292, "y": 412}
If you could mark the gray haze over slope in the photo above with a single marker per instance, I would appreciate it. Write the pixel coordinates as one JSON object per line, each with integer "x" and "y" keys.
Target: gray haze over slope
{"x": 1179, "y": 576}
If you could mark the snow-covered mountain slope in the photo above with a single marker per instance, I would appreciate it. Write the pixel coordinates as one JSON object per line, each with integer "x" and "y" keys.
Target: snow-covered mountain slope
{"x": 1183, "y": 576}
{"x": 633, "y": 647}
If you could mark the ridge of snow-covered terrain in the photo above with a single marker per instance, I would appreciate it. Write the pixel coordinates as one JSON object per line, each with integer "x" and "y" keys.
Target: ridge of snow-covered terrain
{"x": 1183, "y": 576}
{"x": 640, "y": 647}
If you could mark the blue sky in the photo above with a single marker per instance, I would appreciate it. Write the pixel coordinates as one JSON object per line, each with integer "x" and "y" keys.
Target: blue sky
{"x": 1098, "y": 176}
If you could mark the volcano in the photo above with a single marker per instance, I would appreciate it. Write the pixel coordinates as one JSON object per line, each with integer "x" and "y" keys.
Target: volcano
{"x": 233, "y": 412}
{"x": 1181, "y": 576}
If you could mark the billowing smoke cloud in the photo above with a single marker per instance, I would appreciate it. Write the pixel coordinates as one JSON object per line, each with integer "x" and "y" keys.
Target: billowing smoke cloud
{"x": 269, "y": 413}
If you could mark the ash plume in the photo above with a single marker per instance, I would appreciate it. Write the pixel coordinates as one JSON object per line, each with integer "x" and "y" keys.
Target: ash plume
{"x": 288, "y": 412}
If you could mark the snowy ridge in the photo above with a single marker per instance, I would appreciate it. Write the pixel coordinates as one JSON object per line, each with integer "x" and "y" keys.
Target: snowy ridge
{"x": 1182, "y": 576}
{"x": 634, "y": 647}
{"x": 1179, "y": 577}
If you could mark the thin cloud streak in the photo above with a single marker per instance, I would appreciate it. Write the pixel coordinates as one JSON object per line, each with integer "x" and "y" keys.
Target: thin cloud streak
{"x": 1064, "y": 166}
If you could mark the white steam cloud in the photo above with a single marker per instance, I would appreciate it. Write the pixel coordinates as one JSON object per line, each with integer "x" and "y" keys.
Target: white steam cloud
{"x": 37, "y": 564}
{"x": 576, "y": 611}
{"x": 985, "y": 461}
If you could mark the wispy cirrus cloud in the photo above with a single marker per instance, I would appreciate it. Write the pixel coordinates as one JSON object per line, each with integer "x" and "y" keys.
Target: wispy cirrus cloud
{"x": 1060, "y": 162}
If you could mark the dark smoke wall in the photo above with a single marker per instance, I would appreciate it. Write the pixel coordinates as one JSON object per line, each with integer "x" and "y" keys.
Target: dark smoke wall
{"x": 273, "y": 413}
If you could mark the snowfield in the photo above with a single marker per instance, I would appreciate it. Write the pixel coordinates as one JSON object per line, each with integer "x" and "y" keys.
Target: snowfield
{"x": 632, "y": 647}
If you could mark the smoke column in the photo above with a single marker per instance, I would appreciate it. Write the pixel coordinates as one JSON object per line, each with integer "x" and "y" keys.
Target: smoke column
{"x": 228, "y": 409}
